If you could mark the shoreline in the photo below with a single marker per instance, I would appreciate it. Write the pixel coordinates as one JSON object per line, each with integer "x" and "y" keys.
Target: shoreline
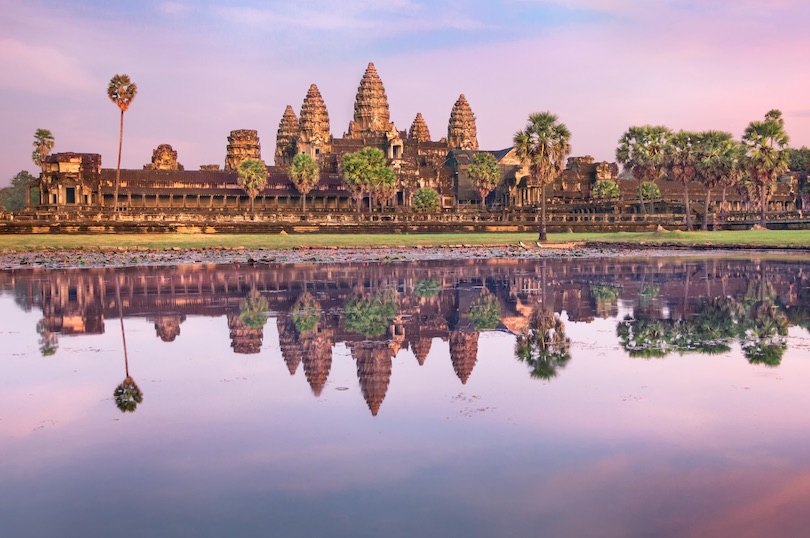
{"x": 121, "y": 257}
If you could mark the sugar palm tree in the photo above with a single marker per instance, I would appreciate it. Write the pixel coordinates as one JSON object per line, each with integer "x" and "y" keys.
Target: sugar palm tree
{"x": 716, "y": 158}
{"x": 127, "y": 395}
{"x": 304, "y": 175}
{"x": 252, "y": 178}
{"x": 543, "y": 146}
{"x": 680, "y": 159}
{"x": 43, "y": 144}
{"x": 544, "y": 345}
{"x": 766, "y": 157}
{"x": 642, "y": 151}
{"x": 121, "y": 91}
{"x": 484, "y": 174}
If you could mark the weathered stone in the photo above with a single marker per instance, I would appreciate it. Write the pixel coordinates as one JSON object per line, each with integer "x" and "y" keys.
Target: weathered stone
{"x": 419, "y": 129}
{"x": 209, "y": 168}
{"x": 461, "y": 130}
{"x": 242, "y": 144}
{"x": 371, "y": 114}
{"x": 313, "y": 125}
{"x": 287, "y": 138}
{"x": 164, "y": 157}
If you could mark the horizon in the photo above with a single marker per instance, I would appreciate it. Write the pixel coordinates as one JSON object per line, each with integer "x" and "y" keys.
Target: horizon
{"x": 682, "y": 64}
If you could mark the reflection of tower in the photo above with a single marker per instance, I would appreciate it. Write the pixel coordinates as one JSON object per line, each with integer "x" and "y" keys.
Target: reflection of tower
{"x": 374, "y": 364}
{"x": 421, "y": 348}
{"x": 463, "y": 353}
{"x": 291, "y": 349}
{"x": 317, "y": 357}
{"x": 243, "y": 338}
{"x": 167, "y": 326}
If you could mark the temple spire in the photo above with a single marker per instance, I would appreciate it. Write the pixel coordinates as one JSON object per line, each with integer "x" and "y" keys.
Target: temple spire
{"x": 313, "y": 125}
{"x": 371, "y": 115}
{"x": 461, "y": 130}
{"x": 419, "y": 129}
{"x": 287, "y": 138}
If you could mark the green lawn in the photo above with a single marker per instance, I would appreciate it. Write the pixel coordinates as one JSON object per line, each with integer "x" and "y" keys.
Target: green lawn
{"x": 753, "y": 238}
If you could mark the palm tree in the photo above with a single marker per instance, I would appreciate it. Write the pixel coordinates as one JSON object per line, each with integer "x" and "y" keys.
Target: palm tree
{"x": 43, "y": 144}
{"x": 642, "y": 151}
{"x": 366, "y": 172}
{"x": 304, "y": 175}
{"x": 252, "y": 178}
{"x": 716, "y": 153}
{"x": 543, "y": 145}
{"x": 766, "y": 156}
{"x": 680, "y": 161}
{"x": 484, "y": 174}
{"x": 544, "y": 346}
{"x": 121, "y": 91}
{"x": 127, "y": 395}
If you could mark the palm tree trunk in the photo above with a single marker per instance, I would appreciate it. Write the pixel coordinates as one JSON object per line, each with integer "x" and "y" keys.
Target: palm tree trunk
{"x": 723, "y": 208}
{"x": 304, "y": 202}
{"x": 686, "y": 206}
{"x": 121, "y": 318}
{"x": 118, "y": 168}
{"x": 705, "y": 226}
{"x": 763, "y": 220}
{"x": 543, "y": 235}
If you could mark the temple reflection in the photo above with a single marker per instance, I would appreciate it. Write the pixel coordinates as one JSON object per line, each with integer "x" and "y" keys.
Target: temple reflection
{"x": 661, "y": 306}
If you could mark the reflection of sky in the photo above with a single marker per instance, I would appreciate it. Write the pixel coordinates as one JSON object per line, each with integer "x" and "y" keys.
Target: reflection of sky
{"x": 228, "y": 444}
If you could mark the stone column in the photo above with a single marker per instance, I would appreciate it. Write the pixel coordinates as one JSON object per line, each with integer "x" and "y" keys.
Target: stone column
{"x": 28, "y": 195}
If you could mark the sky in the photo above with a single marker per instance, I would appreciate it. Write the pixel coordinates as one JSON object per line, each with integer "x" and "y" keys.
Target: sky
{"x": 205, "y": 68}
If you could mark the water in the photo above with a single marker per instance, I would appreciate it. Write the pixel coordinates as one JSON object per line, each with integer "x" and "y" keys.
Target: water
{"x": 654, "y": 397}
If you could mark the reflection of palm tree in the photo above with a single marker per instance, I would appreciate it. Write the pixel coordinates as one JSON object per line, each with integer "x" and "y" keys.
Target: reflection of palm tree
{"x": 306, "y": 312}
{"x": 48, "y": 341}
{"x": 763, "y": 334}
{"x": 544, "y": 346}
{"x": 127, "y": 395}
{"x": 371, "y": 316}
{"x": 253, "y": 310}
{"x": 485, "y": 312}
{"x": 642, "y": 337}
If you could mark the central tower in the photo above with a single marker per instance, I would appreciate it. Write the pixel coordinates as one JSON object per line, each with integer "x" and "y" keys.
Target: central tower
{"x": 371, "y": 115}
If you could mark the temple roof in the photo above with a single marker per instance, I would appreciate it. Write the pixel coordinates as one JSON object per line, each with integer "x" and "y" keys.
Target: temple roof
{"x": 371, "y": 114}
{"x": 419, "y": 129}
{"x": 313, "y": 120}
{"x": 461, "y": 130}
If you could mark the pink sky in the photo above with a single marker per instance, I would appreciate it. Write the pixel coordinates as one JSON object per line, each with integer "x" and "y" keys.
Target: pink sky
{"x": 205, "y": 69}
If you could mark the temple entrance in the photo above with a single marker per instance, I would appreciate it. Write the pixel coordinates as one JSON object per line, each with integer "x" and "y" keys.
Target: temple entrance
{"x": 70, "y": 195}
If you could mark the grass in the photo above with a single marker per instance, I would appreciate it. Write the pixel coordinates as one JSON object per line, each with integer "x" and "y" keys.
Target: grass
{"x": 752, "y": 238}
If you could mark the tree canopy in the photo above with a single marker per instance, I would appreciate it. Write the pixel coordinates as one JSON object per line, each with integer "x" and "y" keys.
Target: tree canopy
{"x": 252, "y": 177}
{"x": 12, "y": 198}
{"x": 425, "y": 200}
{"x": 43, "y": 144}
{"x": 765, "y": 144}
{"x": 304, "y": 175}
{"x": 366, "y": 172}
{"x": 484, "y": 174}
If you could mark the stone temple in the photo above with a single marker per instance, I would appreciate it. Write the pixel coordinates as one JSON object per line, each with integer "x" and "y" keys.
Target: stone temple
{"x": 75, "y": 181}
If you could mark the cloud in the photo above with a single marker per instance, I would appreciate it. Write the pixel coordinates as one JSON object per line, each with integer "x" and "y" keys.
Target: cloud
{"x": 174, "y": 8}
{"x": 42, "y": 70}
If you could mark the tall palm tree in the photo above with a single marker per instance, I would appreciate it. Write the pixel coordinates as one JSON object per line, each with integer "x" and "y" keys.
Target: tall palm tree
{"x": 43, "y": 144}
{"x": 127, "y": 395}
{"x": 766, "y": 157}
{"x": 543, "y": 145}
{"x": 642, "y": 151}
{"x": 252, "y": 178}
{"x": 544, "y": 345}
{"x": 121, "y": 91}
{"x": 716, "y": 159}
{"x": 680, "y": 165}
{"x": 304, "y": 175}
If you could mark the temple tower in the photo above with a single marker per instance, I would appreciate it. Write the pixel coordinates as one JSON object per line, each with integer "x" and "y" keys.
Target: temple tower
{"x": 242, "y": 144}
{"x": 461, "y": 131}
{"x": 371, "y": 115}
{"x": 419, "y": 129}
{"x": 313, "y": 125}
{"x": 164, "y": 157}
{"x": 287, "y": 138}
{"x": 463, "y": 353}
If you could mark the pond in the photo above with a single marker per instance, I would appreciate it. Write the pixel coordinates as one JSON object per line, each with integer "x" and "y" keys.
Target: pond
{"x": 579, "y": 397}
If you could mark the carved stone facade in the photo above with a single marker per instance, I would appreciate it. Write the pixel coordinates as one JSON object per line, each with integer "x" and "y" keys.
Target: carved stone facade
{"x": 164, "y": 157}
{"x": 242, "y": 144}
{"x": 287, "y": 138}
{"x": 371, "y": 114}
{"x": 313, "y": 123}
{"x": 461, "y": 130}
{"x": 419, "y": 129}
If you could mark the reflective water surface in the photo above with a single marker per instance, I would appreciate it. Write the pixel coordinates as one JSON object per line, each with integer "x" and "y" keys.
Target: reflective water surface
{"x": 601, "y": 397}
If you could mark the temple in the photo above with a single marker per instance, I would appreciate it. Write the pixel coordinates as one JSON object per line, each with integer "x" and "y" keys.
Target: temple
{"x": 75, "y": 186}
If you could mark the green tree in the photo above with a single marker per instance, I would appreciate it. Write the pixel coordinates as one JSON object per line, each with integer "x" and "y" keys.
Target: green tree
{"x": 127, "y": 396}
{"x": 544, "y": 345}
{"x": 366, "y": 172}
{"x": 766, "y": 157}
{"x": 304, "y": 175}
{"x": 680, "y": 161}
{"x": 717, "y": 155}
{"x": 427, "y": 288}
{"x": 48, "y": 341}
{"x": 605, "y": 189}
{"x": 484, "y": 174}
{"x": 43, "y": 144}
{"x": 12, "y": 198}
{"x": 370, "y": 316}
{"x": 642, "y": 150}
{"x": 647, "y": 190}
{"x": 121, "y": 91}
{"x": 543, "y": 146}
{"x": 306, "y": 313}
{"x": 425, "y": 200}
{"x": 253, "y": 310}
{"x": 485, "y": 312}
{"x": 252, "y": 178}
{"x": 799, "y": 159}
